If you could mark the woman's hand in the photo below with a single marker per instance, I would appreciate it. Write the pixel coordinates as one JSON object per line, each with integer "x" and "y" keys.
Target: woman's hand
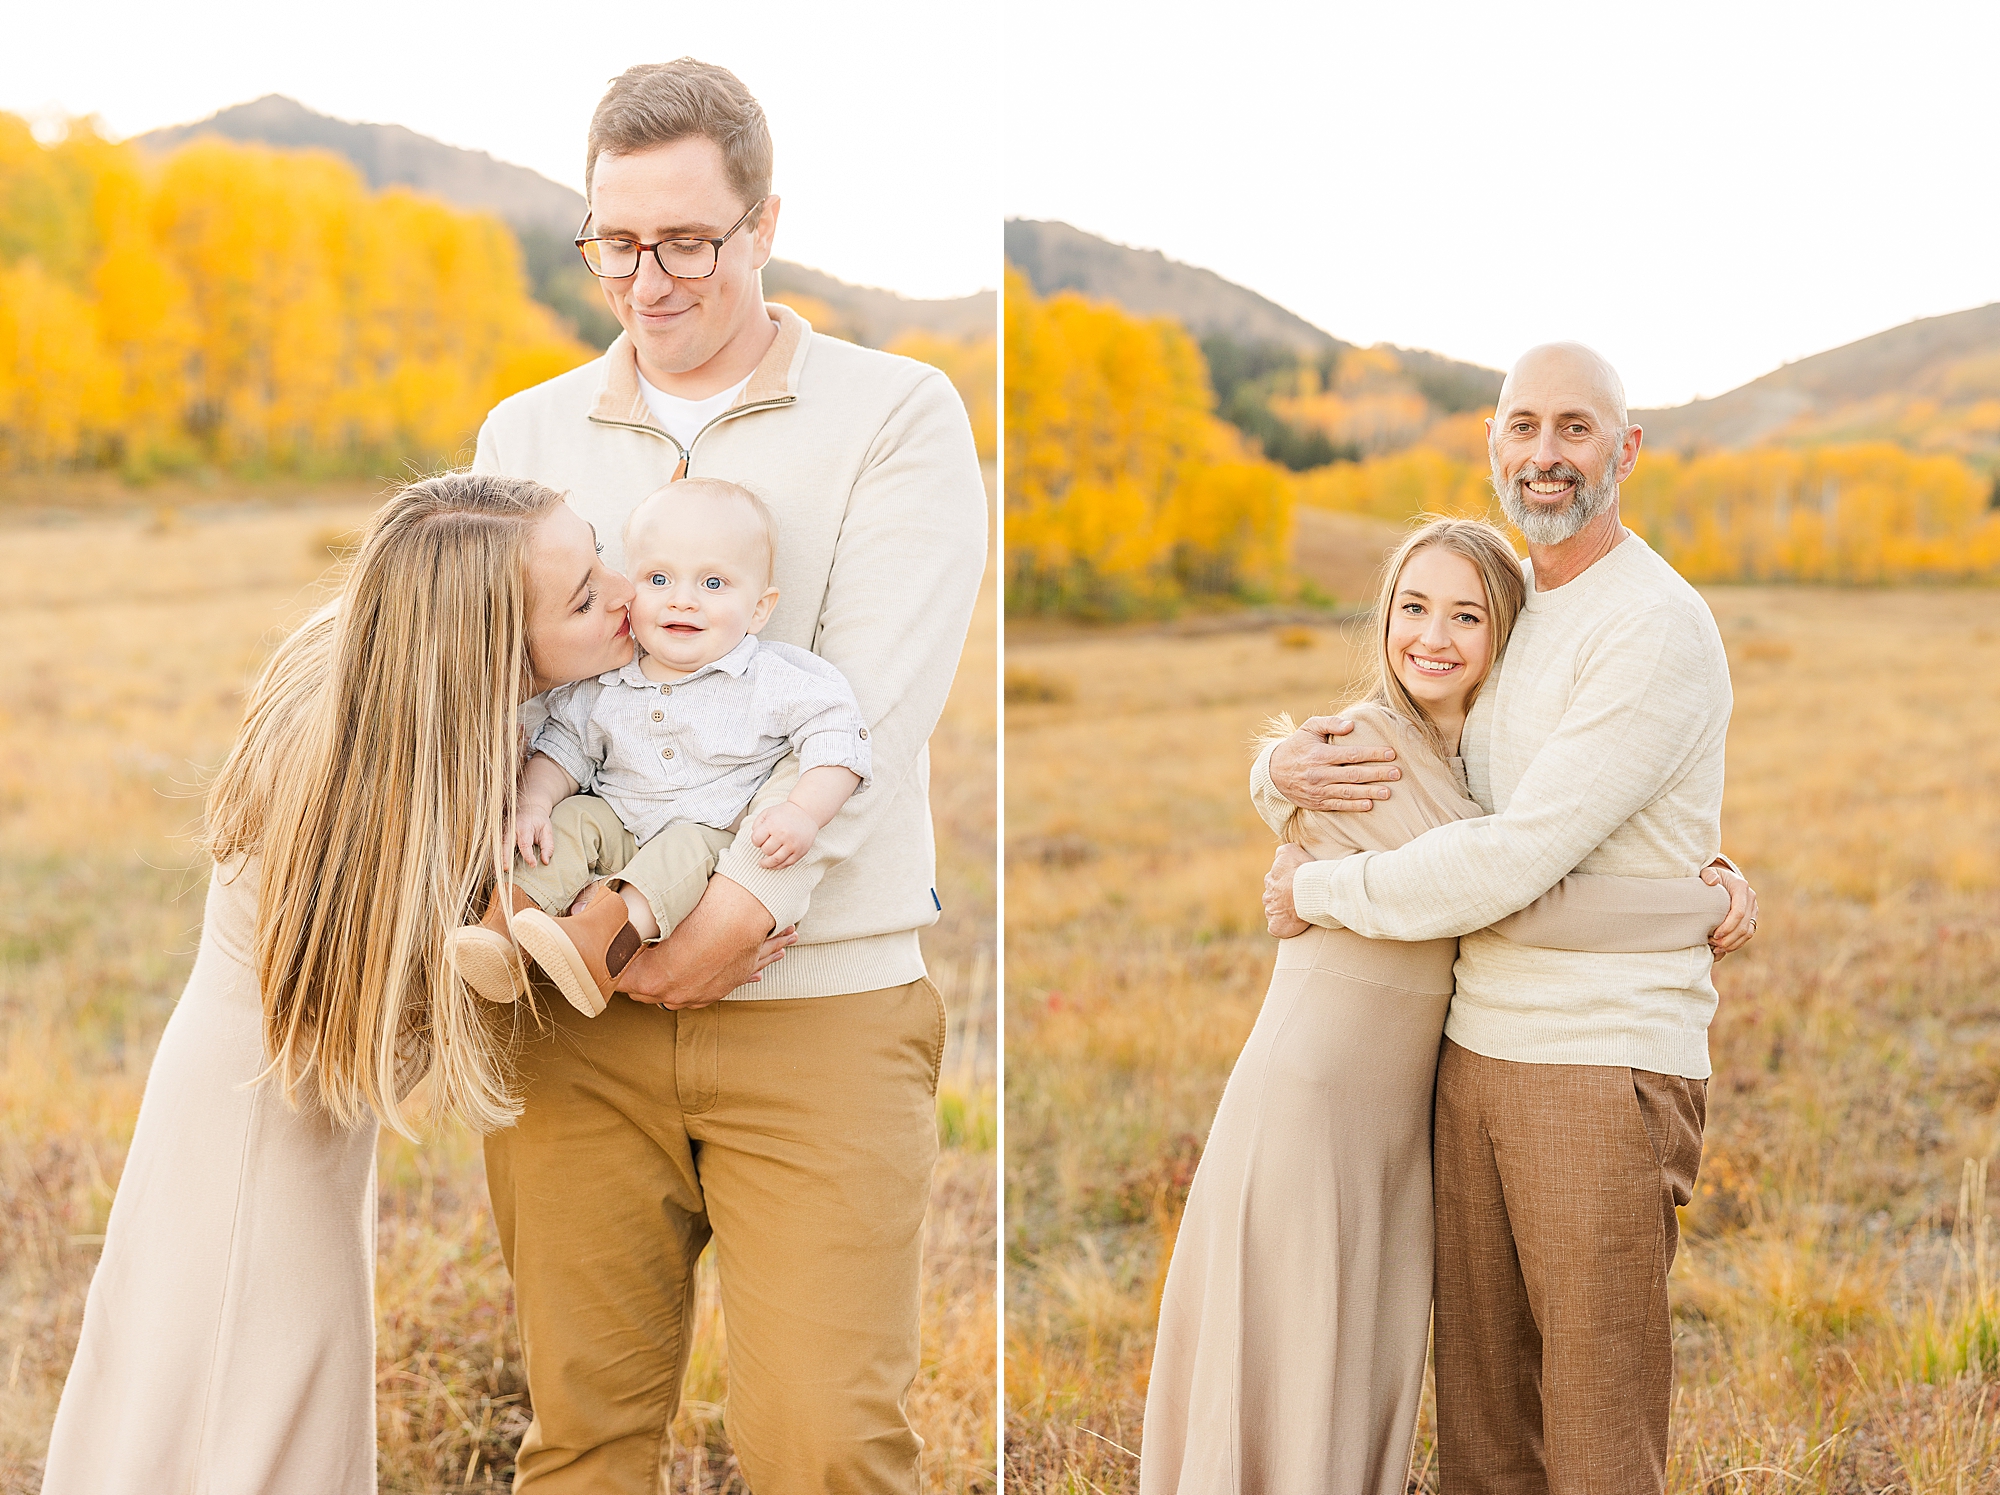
{"x": 1282, "y": 918}
{"x": 1740, "y": 924}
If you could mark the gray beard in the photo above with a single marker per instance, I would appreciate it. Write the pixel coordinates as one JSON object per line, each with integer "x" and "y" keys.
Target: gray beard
{"x": 1545, "y": 526}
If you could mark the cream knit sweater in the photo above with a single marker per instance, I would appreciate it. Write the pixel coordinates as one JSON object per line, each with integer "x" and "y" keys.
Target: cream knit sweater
{"x": 1598, "y": 746}
{"x": 867, "y": 461}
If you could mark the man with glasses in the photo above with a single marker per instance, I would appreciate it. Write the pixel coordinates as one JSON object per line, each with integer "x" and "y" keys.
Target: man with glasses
{"x": 789, "y": 1117}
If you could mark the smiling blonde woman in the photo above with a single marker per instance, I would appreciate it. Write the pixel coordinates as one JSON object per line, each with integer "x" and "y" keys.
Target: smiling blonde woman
{"x": 1293, "y": 1328}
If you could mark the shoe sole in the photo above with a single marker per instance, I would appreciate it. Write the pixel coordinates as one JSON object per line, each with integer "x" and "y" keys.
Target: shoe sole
{"x": 485, "y": 962}
{"x": 553, "y": 951}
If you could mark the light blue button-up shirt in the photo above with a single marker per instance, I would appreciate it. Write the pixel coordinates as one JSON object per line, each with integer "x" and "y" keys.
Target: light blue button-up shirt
{"x": 696, "y": 750}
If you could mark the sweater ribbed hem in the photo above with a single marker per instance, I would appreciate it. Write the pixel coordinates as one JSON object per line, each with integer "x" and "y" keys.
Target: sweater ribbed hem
{"x": 1661, "y": 1048}
{"x": 1533, "y": 1006}
{"x": 838, "y": 967}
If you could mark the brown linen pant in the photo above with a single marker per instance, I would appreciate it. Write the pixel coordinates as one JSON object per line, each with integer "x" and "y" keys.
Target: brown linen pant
{"x": 800, "y": 1135}
{"x": 1556, "y": 1186}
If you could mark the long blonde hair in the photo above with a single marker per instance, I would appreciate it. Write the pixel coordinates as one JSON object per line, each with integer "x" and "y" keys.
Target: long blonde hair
{"x": 1506, "y": 593}
{"x": 374, "y": 781}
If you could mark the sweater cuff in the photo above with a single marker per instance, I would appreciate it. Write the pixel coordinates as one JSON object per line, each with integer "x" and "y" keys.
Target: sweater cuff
{"x": 1272, "y": 807}
{"x": 1261, "y": 786}
{"x": 785, "y": 891}
{"x": 1312, "y": 893}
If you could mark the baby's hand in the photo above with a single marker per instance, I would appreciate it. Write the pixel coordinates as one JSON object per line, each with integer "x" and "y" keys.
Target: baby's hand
{"x": 534, "y": 835}
{"x": 784, "y": 833}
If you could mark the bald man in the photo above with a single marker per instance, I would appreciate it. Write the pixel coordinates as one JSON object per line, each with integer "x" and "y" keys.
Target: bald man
{"x": 1571, "y": 1089}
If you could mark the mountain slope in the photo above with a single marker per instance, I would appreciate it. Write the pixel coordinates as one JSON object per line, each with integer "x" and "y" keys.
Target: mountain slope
{"x": 1307, "y": 397}
{"x": 1056, "y": 257}
{"x": 1933, "y": 385}
{"x": 390, "y": 155}
{"x": 544, "y": 216}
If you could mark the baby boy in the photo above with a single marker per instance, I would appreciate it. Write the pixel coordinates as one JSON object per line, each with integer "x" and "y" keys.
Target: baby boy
{"x": 671, "y": 749}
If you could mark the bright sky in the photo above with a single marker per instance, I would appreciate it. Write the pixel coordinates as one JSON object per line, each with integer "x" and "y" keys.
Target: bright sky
{"x": 1701, "y": 191}
{"x": 884, "y": 115}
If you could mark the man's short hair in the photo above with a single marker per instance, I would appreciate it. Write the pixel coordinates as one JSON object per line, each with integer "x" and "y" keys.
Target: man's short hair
{"x": 657, "y": 103}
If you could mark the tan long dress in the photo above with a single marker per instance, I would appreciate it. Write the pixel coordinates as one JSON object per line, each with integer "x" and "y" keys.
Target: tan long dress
{"x": 229, "y": 1337}
{"x": 1290, "y": 1355}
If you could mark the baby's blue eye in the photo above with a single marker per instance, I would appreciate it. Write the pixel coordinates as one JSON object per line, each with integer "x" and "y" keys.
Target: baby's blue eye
{"x": 713, "y": 583}
{"x": 657, "y": 579}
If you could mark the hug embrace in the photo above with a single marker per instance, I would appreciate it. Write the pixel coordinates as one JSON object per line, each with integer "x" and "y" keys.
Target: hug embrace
{"x": 1475, "y": 1093}
{"x": 718, "y": 580}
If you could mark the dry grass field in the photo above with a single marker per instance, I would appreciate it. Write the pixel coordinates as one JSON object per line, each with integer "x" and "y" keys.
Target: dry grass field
{"x": 128, "y": 644}
{"x": 1837, "y": 1298}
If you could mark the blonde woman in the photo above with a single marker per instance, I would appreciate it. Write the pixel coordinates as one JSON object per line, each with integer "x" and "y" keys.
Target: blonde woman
{"x": 228, "y": 1338}
{"x": 1295, "y": 1317}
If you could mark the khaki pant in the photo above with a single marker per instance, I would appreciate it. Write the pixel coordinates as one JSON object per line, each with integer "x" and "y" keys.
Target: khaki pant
{"x": 799, "y": 1135}
{"x": 671, "y": 870}
{"x": 1556, "y": 1186}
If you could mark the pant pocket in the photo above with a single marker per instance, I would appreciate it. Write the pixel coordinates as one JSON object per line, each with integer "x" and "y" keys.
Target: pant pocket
{"x": 1673, "y": 1110}
{"x": 938, "y": 1038}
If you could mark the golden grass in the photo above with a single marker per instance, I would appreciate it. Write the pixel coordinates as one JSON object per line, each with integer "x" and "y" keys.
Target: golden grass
{"x": 1837, "y": 1300}
{"x": 129, "y": 641}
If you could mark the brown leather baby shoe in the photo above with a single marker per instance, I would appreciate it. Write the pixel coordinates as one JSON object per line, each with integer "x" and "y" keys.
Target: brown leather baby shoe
{"x": 585, "y": 952}
{"x": 484, "y": 954}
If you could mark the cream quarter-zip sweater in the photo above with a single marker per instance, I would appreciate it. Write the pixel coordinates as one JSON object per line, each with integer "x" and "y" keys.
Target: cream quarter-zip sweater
{"x": 867, "y": 461}
{"x": 1597, "y": 744}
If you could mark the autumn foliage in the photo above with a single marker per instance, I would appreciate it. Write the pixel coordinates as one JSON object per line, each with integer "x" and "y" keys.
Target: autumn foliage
{"x": 1123, "y": 489}
{"x": 1125, "y": 493}
{"x": 1868, "y": 513}
{"x": 249, "y": 308}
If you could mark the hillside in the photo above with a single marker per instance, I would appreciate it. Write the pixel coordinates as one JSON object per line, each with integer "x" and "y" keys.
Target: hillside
{"x": 544, "y": 216}
{"x": 1305, "y": 396}
{"x": 1931, "y": 385}
{"x": 1056, "y": 257}
{"x": 390, "y": 155}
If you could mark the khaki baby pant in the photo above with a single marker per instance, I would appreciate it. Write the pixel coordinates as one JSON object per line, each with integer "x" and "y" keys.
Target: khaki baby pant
{"x": 671, "y": 870}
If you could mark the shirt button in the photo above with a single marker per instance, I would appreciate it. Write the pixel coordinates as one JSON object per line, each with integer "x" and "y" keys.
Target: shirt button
{"x": 666, "y": 752}
{"x": 659, "y": 716}
{"x": 666, "y": 690}
{"x": 864, "y": 734}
